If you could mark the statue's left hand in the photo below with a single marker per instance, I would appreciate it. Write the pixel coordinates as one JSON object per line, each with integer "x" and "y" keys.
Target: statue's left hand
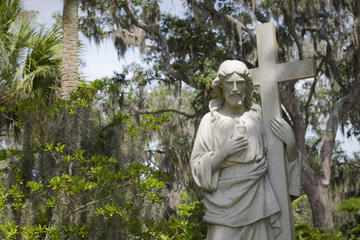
{"x": 285, "y": 133}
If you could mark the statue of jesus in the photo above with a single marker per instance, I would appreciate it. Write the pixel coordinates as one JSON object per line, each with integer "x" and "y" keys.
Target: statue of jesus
{"x": 229, "y": 161}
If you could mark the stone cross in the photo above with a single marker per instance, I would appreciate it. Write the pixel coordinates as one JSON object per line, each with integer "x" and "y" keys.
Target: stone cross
{"x": 267, "y": 76}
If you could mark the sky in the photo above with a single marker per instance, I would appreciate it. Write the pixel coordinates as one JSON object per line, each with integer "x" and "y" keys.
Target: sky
{"x": 102, "y": 60}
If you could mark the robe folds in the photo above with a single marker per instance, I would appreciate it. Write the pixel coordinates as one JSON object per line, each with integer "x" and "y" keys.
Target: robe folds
{"x": 238, "y": 195}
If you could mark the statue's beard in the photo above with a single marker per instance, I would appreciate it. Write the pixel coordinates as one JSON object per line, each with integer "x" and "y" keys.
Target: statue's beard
{"x": 235, "y": 99}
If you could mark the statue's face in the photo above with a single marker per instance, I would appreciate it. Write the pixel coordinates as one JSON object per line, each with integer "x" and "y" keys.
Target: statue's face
{"x": 233, "y": 88}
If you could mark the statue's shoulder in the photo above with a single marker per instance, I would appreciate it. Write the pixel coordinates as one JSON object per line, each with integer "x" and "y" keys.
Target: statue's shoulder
{"x": 207, "y": 117}
{"x": 205, "y": 123}
{"x": 255, "y": 111}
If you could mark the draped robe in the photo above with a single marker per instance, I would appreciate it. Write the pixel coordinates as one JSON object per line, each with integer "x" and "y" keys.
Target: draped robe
{"x": 239, "y": 198}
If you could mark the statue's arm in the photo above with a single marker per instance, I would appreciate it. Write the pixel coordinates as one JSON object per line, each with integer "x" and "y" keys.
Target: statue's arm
{"x": 285, "y": 133}
{"x": 231, "y": 145}
{"x": 200, "y": 161}
{"x": 206, "y": 159}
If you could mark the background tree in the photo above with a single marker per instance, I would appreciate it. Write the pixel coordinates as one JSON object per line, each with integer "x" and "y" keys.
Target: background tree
{"x": 28, "y": 72}
{"x": 70, "y": 60}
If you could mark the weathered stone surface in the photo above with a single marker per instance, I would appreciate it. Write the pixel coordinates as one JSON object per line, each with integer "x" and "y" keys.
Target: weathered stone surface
{"x": 238, "y": 154}
{"x": 268, "y": 75}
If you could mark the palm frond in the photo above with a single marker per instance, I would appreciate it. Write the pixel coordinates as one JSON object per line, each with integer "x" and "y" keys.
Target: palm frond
{"x": 31, "y": 56}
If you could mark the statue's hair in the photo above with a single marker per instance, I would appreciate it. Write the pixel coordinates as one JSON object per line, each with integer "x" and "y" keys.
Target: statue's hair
{"x": 227, "y": 68}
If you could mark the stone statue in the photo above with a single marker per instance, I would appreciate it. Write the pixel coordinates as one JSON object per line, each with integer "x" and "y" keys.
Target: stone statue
{"x": 229, "y": 162}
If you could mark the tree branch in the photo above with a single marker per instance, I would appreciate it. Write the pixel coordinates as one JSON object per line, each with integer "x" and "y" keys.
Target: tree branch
{"x": 261, "y": 17}
{"x": 230, "y": 19}
{"x": 288, "y": 100}
{"x": 310, "y": 96}
{"x": 154, "y": 150}
{"x": 168, "y": 110}
{"x": 289, "y": 23}
{"x": 344, "y": 105}
{"x": 165, "y": 54}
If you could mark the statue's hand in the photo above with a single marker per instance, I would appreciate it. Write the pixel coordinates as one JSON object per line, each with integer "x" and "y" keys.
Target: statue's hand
{"x": 230, "y": 146}
{"x": 285, "y": 133}
{"x": 282, "y": 130}
{"x": 234, "y": 144}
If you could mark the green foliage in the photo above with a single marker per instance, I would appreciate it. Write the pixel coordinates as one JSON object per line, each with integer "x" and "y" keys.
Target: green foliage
{"x": 296, "y": 202}
{"x": 77, "y": 231}
{"x": 147, "y": 123}
{"x": 16, "y": 196}
{"x": 3, "y": 198}
{"x": 305, "y": 232}
{"x": 10, "y": 230}
{"x": 207, "y": 77}
{"x": 29, "y": 54}
{"x": 50, "y": 202}
{"x": 53, "y": 232}
{"x": 187, "y": 224}
{"x": 351, "y": 207}
{"x": 112, "y": 190}
{"x": 315, "y": 164}
{"x": 30, "y": 65}
{"x": 33, "y": 232}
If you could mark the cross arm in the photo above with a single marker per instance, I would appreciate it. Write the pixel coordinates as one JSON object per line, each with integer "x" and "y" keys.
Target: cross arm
{"x": 284, "y": 71}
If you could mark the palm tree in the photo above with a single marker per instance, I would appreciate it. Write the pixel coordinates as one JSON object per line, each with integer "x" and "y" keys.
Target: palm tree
{"x": 30, "y": 64}
{"x": 70, "y": 65}
{"x": 30, "y": 58}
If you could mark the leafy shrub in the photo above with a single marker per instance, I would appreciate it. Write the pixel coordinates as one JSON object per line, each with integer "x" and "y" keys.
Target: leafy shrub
{"x": 351, "y": 227}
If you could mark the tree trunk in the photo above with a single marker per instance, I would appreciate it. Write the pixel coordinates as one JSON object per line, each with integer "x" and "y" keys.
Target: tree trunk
{"x": 313, "y": 182}
{"x": 28, "y": 161}
{"x": 70, "y": 73}
{"x": 70, "y": 62}
{"x": 316, "y": 184}
{"x": 319, "y": 200}
{"x": 68, "y": 132}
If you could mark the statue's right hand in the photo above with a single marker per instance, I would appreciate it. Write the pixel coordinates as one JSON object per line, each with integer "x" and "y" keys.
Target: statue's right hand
{"x": 234, "y": 144}
{"x": 230, "y": 146}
